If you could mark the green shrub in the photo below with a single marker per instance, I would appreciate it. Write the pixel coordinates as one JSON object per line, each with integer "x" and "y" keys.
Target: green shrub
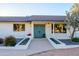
{"x": 75, "y": 39}
{"x": 10, "y": 41}
{"x": 1, "y": 40}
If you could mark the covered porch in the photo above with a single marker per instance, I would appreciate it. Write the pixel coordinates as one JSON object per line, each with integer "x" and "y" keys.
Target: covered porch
{"x": 49, "y": 29}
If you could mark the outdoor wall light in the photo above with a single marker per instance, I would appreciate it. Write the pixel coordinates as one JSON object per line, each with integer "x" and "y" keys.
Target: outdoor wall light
{"x": 48, "y": 23}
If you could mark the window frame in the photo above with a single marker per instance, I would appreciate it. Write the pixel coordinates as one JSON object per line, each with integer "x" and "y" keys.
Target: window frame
{"x": 53, "y": 28}
{"x": 20, "y": 29}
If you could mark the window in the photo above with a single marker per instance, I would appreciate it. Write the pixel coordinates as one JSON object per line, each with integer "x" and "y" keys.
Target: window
{"x": 19, "y": 27}
{"x": 59, "y": 28}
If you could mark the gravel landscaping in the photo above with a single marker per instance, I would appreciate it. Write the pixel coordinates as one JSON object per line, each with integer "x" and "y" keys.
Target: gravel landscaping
{"x": 69, "y": 42}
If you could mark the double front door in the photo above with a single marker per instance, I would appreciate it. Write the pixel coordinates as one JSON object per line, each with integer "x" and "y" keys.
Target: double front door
{"x": 39, "y": 31}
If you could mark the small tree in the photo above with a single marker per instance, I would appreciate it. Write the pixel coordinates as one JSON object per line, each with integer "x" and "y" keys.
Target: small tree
{"x": 72, "y": 18}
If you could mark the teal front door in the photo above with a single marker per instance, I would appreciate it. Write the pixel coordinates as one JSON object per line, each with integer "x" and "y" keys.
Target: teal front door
{"x": 39, "y": 31}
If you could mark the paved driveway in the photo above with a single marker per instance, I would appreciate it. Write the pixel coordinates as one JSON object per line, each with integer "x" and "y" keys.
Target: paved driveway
{"x": 37, "y": 45}
{"x": 59, "y": 52}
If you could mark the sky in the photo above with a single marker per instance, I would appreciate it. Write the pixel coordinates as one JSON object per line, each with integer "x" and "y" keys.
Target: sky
{"x": 28, "y": 9}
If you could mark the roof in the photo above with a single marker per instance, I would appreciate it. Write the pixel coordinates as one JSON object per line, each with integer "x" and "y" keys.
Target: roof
{"x": 13, "y": 19}
{"x": 32, "y": 18}
{"x": 47, "y": 18}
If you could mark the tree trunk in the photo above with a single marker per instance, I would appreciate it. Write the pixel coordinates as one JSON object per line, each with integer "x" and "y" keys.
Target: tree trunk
{"x": 72, "y": 36}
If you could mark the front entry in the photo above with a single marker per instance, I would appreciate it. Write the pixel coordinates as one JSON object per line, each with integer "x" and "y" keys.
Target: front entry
{"x": 39, "y": 31}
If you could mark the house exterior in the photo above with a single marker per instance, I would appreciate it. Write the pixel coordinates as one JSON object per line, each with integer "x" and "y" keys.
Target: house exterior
{"x": 37, "y": 26}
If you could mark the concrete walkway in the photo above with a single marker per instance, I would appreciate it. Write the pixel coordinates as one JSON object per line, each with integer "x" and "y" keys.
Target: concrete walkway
{"x": 36, "y": 46}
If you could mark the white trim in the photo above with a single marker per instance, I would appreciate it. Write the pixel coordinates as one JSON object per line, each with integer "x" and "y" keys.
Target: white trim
{"x": 53, "y": 28}
{"x": 54, "y": 44}
{"x": 32, "y": 29}
{"x": 20, "y": 42}
{"x": 24, "y": 46}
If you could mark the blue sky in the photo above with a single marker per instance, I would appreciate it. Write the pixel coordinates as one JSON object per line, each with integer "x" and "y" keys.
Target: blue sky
{"x": 34, "y": 9}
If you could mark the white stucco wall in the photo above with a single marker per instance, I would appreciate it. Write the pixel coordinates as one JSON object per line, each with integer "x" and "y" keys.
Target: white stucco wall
{"x": 6, "y": 29}
{"x": 56, "y": 35}
{"x": 76, "y": 33}
{"x": 60, "y": 35}
{"x": 23, "y": 33}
